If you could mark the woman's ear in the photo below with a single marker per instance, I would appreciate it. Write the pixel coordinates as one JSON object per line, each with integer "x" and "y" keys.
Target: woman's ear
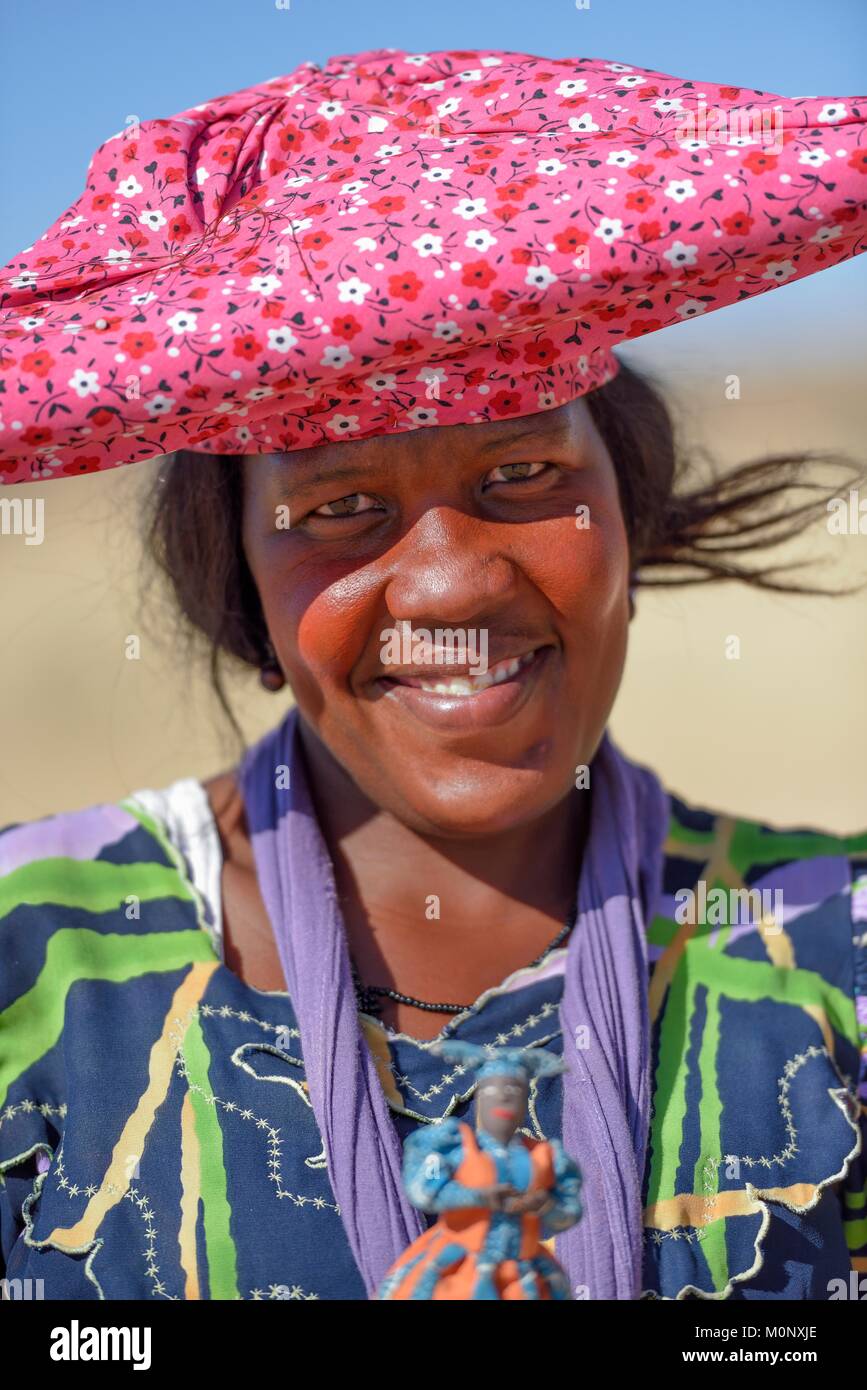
{"x": 633, "y": 589}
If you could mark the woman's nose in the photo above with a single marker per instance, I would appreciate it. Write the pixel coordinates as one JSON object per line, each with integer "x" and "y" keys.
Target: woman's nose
{"x": 451, "y": 567}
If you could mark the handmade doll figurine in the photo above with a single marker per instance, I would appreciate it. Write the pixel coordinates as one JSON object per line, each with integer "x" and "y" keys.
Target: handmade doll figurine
{"x": 499, "y": 1195}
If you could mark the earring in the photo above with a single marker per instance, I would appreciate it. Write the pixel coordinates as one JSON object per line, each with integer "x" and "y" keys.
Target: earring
{"x": 270, "y": 675}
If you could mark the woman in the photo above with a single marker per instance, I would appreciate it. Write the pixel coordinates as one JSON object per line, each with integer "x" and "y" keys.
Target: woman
{"x": 221, "y": 998}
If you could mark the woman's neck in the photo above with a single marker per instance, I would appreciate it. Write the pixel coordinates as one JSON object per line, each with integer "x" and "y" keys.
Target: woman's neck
{"x": 438, "y": 919}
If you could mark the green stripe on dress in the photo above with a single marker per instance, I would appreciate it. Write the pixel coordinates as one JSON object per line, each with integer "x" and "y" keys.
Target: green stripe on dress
{"x": 220, "y": 1247}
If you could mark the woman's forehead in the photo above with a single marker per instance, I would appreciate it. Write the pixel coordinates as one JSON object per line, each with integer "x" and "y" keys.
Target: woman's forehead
{"x": 569, "y": 422}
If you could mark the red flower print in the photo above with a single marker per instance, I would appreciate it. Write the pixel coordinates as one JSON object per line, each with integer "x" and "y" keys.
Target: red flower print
{"x": 37, "y": 435}
{"x": 406, "y": 286}
{"x": 383, "y": 206}
{"x": 641, "y": 171}
{"x": 224, "y": 154}
{"x": 511, "y": 192}
{"x": 247, "y": 347}
{"x": 759, "y": 163}
{"x": 346, "y": 327}
{"x": 39, "y": 363}
{"x": 638, "y": 200}
{"x": 571, "y": 240}
{"x": 406, "y": 347}
{"x": 167, "y": 144}
{"x": 541, "y": 353}
{"x": 649, "y": 231}
{"x": 507, "y": 213}
{"x": 738, "y": 224}
{"x": 272, "y": 309}
{"x": 138, "y": 344}
{"x": 730, "y": 93}
{"x": 845, "y": 214}
{"x": 505, "y": 402}
{"x": 500, "y": 301}
{"x": 101, "y": 201}
{"x": 478, "y": 274}
{"x": 858, "y": 161}
{"x": 197, "y": 392}
{"x": 173, "y": 175}
{"x": 178, "y": 227}
{"x": 346, "y": 144}
{"x": 315, "y": 241}
{"x": 82, "y": 463}
{"x": 522, "y": 255}
{"x": 101, "y": 416}
{"x": 291, "y": 138}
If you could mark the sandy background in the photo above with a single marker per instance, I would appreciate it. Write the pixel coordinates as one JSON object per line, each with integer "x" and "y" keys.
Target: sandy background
{"x": 778, "y": 734}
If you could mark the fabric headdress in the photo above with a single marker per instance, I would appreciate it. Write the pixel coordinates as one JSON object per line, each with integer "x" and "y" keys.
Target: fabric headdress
{"x": 393, "y": 240}
{"x": 503, "y": 1061}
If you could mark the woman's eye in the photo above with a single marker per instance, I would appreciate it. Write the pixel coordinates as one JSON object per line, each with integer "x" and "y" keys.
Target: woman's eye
{"x": 351, "y": 505}
{"x": 516, "y": 472}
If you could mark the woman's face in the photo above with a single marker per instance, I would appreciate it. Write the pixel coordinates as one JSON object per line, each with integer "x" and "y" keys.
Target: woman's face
{"x": 389, "y": 566}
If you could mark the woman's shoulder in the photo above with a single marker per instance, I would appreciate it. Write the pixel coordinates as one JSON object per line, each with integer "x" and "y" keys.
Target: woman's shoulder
{"x": 121, "y": 869}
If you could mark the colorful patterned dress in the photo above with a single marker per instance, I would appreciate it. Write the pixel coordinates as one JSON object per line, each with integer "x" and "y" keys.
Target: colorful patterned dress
{"x": 156, "y": 1135}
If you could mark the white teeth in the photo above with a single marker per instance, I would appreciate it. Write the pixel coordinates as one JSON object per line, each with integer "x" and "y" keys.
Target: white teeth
{"x": 471, "y": 685}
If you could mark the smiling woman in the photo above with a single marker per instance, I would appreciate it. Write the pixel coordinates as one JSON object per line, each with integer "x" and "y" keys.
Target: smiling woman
{"x": 227, "y": 994}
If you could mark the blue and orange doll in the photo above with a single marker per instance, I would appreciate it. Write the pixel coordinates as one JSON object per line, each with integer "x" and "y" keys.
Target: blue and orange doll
{"x": 498, "y": 1195}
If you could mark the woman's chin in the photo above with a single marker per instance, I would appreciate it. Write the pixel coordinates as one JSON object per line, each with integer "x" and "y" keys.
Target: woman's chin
{"x": 470, "y": 807}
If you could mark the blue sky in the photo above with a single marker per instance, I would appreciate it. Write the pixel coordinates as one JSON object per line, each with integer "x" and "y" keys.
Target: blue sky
{"x": 72, "y": 73}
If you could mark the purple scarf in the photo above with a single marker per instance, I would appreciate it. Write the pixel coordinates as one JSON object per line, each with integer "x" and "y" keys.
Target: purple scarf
{"x": 606, "y": 1091}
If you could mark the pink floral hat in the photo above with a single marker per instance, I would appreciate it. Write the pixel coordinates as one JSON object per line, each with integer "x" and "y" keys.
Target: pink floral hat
{"x": 397, "y": 240}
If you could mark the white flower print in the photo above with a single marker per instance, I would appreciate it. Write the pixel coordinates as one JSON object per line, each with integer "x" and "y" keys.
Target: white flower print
{"x": 815, "y": 158}
{"x": 365, "y": 243}
{"x": 779, "y": 271}
{"x": 665, "y": 104}
{"x": 84, "y": 383}
{"x": 681, "y": 189}
{"x": 335, "y": 356}
{"x": 550, "y": 166}
{"x": 264, "y": 284}
{"x": 832, "y": 111}
{"x": 470, "y": 207}
{"x": 680, "y": 254}
{"x": 116, "y": 255}
{"x": 381, "y": 381}
{"x": 826, "y": 234}
{"x": 355, "y": 186}
{"x": 144, "y": 298}
{"x": 539, "y": 277}
{"x": 423, "y": 415}
{"x": 73, "y": 222}
{"x": 259, "y": 393}
{"x": 160, "y": 405}
{"x": 480, "y": 240}
{"x": 352, "y": 291}
{"x": 437, "y": 174}
{"x": 30, "y": 323}
{"x": 129, "y": 187}
{"x": 281, "y": 339}
{"x": 152, "y": 218}
{"x": 571, "y": 87}
{"x": 330, "y": 109}
{"x": 449, "y": 106}
{"x": 691, "y": 308}
{"x": 622, "y": 158}
{"x": 633, "y": 81}
{"x": 582, "y": 124}
{"x": 24, "y": 280}
{"x": 343, "y": 424}
{"x": 448, "y": 330}
{"x": 201, "y": 175}
{"x": 429, "y": 245}
{"x": 609, "y": 229}
{"x": 182, "y": 322}
{"x": 386, "y": 151}
{"x": 470, "y": 75}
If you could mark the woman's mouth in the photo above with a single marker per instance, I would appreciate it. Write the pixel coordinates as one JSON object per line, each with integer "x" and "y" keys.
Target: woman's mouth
{"x": 462, "y": 700}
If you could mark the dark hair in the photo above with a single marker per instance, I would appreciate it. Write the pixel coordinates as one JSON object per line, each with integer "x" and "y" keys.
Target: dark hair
{"x": 680, "y": 530}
